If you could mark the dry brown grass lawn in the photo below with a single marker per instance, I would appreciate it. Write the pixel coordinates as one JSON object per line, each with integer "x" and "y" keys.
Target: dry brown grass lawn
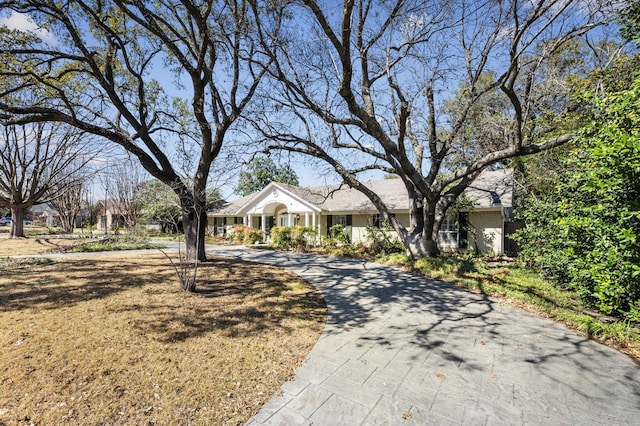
{"x": 31, "y": 245}
{"x": 110, "y": 339}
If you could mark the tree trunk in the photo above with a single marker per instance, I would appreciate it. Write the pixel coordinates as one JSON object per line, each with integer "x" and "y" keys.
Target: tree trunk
{"x": 418, "y": 246}
{"x": 194, "y": 222}
{"x": 67, "y": 221}
{"x": 17, "y": 224}
{"x": 422, "y": 238}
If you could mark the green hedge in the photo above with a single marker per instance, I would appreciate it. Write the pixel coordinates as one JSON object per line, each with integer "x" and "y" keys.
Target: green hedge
{"x": 585, "y": 233}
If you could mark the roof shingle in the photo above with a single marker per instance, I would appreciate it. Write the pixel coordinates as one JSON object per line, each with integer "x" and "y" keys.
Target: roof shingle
{"x": 493, "y": 188}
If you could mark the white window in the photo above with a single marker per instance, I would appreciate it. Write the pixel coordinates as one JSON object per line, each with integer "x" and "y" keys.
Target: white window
{"x": 283, "y": 219}
{"x": 220, "y": 225}
{"x": 448, "y": 234}
{"x": 340, "y": 220}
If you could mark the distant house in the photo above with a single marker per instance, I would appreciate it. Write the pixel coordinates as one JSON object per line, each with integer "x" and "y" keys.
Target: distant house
{"x": 110, "y": 216}
{"x": 45, "y": 214}
{"x": 480, "y": 227}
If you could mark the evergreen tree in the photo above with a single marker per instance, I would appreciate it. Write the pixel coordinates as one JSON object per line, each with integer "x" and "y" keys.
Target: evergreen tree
{"x": 260, "y": 172}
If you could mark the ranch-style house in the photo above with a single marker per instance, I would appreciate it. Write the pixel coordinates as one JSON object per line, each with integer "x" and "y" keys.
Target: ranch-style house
{"x": 482, "y": 227}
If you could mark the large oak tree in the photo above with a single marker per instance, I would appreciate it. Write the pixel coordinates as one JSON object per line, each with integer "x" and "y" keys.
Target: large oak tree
{"x": 165, "y": 80}
{"x": 362, "y": 86}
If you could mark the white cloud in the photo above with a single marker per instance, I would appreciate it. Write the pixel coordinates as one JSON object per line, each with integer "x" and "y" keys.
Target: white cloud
{"x": 412, "y": 25}
{"x": 22, "y": 22}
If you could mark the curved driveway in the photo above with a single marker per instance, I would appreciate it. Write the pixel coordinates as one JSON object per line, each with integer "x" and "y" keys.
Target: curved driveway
{"x": 402, "y": 349}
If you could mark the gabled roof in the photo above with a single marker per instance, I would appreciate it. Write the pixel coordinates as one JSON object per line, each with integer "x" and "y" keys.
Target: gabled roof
{"x": 230, "y": 208}
{"x": 491, "y": 189}
{"x": 342, "y": 198}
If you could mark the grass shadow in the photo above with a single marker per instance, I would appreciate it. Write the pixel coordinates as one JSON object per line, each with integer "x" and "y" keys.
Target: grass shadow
{"x": 237, "y": 299}
{"x": 67, "y": 283}
{"x": 115, "y": 338}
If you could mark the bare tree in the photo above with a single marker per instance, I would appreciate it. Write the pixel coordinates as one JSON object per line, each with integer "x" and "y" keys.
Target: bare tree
{"x": 38, "y": 163}
{"x": 121, "y": 182}
{"x": 69, "y": 203}
{"x": 205, "y": 53}
{"x": 186, "y": 271}
{"x": 362, "y": 86}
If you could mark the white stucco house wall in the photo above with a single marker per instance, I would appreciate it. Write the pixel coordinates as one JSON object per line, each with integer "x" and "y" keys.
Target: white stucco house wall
{"x": 321, "y": 207}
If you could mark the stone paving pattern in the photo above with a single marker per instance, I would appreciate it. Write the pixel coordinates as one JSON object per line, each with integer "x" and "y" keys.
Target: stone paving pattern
{"x": 402, "y": 349}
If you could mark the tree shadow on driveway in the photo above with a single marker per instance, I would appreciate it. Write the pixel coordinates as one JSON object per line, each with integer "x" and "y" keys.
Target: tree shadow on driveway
{"x": 478, "y": 348}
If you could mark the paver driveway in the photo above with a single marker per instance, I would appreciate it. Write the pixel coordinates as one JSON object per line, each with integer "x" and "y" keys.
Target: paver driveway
{"x": 401, "y": 349}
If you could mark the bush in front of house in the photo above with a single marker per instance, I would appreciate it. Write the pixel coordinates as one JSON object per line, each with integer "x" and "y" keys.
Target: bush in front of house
{"x": 338, "y": 236}
{"x": 292, "y": 237}
{"x": 281, "y": 237}
{"x": 382, "y": 242}
{"x": 303, "y": 237}
{"x": 245, "y": 235}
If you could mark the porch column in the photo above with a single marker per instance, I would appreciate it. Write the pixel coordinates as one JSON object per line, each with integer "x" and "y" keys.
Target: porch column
{"x": 263, "y": 227}
{"x": 290, "y": 219}
{"x": 248, "y": 221}
{"x": 306, "y": 219}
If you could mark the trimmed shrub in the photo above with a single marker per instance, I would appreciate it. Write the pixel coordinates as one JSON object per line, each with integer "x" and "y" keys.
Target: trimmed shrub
{"x": 245, "y": 235}
{"x": 281, "y": 237}
{"x": 292, "y": 237}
